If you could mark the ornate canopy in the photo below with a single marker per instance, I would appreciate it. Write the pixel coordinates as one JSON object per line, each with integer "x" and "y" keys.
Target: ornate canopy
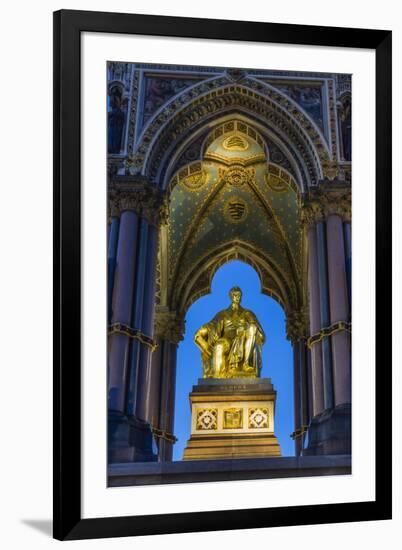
{"x": 237, "y": 152}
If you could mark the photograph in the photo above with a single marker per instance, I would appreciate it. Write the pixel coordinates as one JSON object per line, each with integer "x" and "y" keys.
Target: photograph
{"x": 229, "y": 259}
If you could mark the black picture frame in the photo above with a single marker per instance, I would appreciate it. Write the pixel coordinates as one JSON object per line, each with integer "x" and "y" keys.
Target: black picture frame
{"x": 68, "y": 26}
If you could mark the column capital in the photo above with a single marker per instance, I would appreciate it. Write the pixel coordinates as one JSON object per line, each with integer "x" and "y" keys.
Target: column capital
{"x": 334, "y": 198}
{"x": 168, "y": 325}
{"x": 297, "y": 325}
{"x": 139, "y": 195}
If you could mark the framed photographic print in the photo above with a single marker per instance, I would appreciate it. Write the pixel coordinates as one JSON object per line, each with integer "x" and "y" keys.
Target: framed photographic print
{"x": 208, "y": 178}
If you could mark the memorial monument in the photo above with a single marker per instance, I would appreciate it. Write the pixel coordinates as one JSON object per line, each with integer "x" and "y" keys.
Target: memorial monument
{"x": 232, "y": 408}
{"x": 209, "y": 165}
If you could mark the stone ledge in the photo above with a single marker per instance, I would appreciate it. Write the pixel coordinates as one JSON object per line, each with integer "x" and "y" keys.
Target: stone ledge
{"x": 160, "y": 473}
{"x": 229, "y": 385}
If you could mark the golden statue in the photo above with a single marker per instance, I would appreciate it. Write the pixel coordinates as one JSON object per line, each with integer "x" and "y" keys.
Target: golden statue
{"x": 231, "y": 343}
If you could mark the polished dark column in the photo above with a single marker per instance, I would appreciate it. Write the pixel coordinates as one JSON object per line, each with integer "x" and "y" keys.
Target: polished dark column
{"x": 348, "y": 260}
{"x": 297, "y": 400}
{"x": 296, "y": 327}
{"x": 169, "y": 328}
{"x": 339, "y": 306}
{"x": 113, "y": 235}
{"x": 121, "y": 309}
{"x": 142, "y": 207}
{"x": 305, "y": 387}
{"x": 138, "y": 311}
{"x": 325, "y": 315}
{"x": 317, "y": 395}
{"x": 147, "y": 384}
{"x": 168, "y": 394}
{"x": 326, "y": 208}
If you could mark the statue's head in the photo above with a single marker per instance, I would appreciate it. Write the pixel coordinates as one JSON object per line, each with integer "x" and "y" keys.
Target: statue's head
{"x": 235, "y": 294}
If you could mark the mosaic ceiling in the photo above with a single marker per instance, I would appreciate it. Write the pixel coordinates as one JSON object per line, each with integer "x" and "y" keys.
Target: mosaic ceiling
{"x": 234, "y": 194}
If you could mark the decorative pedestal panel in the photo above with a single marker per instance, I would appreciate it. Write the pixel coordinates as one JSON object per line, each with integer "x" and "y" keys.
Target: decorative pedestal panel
{"x": 232, "y": 418}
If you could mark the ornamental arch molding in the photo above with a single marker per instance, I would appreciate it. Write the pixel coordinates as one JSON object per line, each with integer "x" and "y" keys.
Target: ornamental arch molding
{"x": 197, "y": 282}
{"x": 204, "y": 132}
{"x": 217, "y": 98}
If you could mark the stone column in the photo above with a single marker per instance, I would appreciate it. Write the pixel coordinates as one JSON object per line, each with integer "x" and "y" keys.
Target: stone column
{"x": 325, "y": 315}
{"x": 121, "y": 308}
{"x": 315, "y": 323}
{"x": 137, "y": 316}
{"x": 325, "y": 209}
{"x": 348, "y": 259}
{"x": 169, "y": 328}
{"x": 147, "y": 383}
{"x": 339, "y": 307}
{"x": 113, "y": 235}
{"x": 305, "y": 383}
{"x": 309, "y": 369}
{"x": 296, "y": 327}
{"x": 142, "y": 207}
{"x": 297, "y": 400}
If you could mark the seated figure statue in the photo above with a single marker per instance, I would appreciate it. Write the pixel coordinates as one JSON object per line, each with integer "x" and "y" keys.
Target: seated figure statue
{"x": 231, "y": 343}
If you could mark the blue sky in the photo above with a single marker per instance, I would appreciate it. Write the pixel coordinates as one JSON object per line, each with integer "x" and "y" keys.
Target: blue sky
{"x": 277, "y": 351}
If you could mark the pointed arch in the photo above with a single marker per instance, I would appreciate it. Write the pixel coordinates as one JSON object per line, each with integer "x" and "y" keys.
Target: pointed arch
{"x": 264, "y": 105}
{"x": 198, "y": 281}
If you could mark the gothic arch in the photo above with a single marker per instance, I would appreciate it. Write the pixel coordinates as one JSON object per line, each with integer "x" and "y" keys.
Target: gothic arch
{"x": 204, "y": 131}
{"x": 259, "y": 101}
{"x": 197, "y": 282}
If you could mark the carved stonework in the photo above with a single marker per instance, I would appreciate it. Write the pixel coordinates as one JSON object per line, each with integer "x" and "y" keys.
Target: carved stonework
{"x": 297, "y": 325}
{"x": 197, "y": 282}
{"x": 138, "y": 195}
{"x": 262, "y": 100}
{"x": 330, "y": 170}
{"x": 343, "y": 84}
{"x": 327, "y": 199}
{"x": 168, "y": 325}
{"x": 114, "y": 209}
{"x": 258, "y": 417}
{"x": 235, "y": 75}
{"x": 311, "y": 213}
{"x": 237, "y": 176}
{"x": 207, "y": 419}
{"x": 118, "y": 71}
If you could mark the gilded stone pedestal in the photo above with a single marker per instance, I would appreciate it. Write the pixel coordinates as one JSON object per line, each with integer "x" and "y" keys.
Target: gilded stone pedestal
{"x": 232, "y": 418}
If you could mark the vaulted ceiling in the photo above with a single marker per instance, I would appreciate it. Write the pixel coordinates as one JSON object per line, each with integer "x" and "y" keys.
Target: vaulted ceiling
{"x": 237, "y": 201}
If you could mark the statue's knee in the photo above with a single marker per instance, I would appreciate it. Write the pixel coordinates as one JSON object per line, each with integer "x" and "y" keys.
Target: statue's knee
{"x": 219, "y": 348}
{"x": 225, "y": 344}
